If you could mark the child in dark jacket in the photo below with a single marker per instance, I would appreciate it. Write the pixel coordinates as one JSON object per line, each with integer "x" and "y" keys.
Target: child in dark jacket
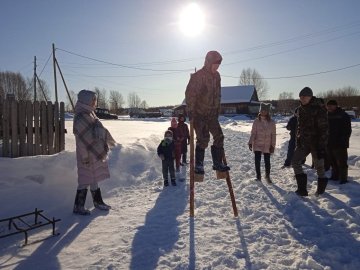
{"x": 166, "y": 151}
{"x": 177, "y": 139}
{"x": 182, "y": 126}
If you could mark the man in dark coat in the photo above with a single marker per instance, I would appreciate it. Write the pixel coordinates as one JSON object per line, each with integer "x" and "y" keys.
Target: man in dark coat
{"x": 291, "y": 126}
{"x": 203, "y": 95}
{"x": 339, "y": 136}
{"x": 311, "y": 137}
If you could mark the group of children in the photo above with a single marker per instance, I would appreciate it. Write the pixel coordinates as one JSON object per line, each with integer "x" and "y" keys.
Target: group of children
{"x": 174, "y": 147}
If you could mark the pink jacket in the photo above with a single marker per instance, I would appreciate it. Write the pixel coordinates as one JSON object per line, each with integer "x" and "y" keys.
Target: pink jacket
{"x": 263, "y": 135}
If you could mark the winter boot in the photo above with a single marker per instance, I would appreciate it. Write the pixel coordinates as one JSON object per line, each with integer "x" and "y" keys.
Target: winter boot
{"x": 98, "y": 201}
{"x": 166, "y": 183}
{"x": 217, "y": 155}
{"x": 322, "y": 183}
{"x": 173, "y": 182}
{"x": 199, "y": 160}
{"x": 267, "y": 178}
{"x": 184, "y": 159}
{"x": 80, "y": 198}
{"x": 301, "y": 180}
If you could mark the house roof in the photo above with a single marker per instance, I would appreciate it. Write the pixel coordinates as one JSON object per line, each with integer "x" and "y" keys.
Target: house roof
{"x": 235, "y": 94}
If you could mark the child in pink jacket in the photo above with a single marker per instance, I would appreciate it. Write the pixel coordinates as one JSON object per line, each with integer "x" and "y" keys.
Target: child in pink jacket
{"x": 263, "y": 140}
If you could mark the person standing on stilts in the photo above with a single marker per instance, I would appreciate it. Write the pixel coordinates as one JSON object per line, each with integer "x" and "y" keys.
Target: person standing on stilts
{"x": 203, "y": 96}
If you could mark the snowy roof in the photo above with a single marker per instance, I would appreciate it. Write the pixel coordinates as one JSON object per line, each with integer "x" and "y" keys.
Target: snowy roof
{"x": 235, "y": 94}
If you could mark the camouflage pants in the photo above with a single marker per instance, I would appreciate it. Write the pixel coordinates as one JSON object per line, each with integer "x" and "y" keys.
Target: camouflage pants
{"x": 300, "y": 154}
{"x": 203, "y": 128}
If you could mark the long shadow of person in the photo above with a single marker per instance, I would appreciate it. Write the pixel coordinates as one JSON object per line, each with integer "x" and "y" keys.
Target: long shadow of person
{"x": 160, "y": 231}
{"x": 245, "y": 254}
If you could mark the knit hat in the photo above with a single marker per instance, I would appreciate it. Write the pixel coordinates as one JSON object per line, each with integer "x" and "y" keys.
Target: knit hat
{"x": 173, "y": 123}
{"x": 181, "y": 116}
{"x": 212, "y": 57}
{"x": 168, "y": 132}
{"x": 332, "y": 102}
{"x": 306, "y": 91}
{"x": 265, "y": 107}
{"x": 86, "y": 96}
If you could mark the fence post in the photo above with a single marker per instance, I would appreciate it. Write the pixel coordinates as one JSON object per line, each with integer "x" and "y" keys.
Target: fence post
{"x": 22, "y": 128}
{"x": 14, "y": 129}
{"x": 43, "y": 122}
{"x": 50, "y": 122}
{"x": 57, "y": 127}
{"x": 62, "y": 126}
{"x": 29, "y": 121}
{"x": 37, "y": 148}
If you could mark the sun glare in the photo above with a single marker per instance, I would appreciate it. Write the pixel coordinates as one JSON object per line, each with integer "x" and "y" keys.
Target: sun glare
{"x": 192, "y": 20}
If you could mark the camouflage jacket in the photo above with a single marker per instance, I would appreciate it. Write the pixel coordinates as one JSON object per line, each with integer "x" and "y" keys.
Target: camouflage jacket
{"x": 313, "y": 127}
{"x": 203, "y": 92}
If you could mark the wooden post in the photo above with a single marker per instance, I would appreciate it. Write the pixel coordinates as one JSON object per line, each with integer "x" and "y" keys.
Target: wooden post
{"x": 231, "y": 191}
{"x": 66, "y": 88}
{"x": 37, "y": 149}
{"x": 192, "y": 168}
{"x": 57, "y": 127}
{"x": 29, "y": 123}
{"x": 22, "y": 129}
{"x": 6, "y": 127}
{"x": 54, "y": 60}
{"x": 62, "y": 126}
{"x": 35, "y": 78}
{"x": 50, "y": 122}
{"x": 43, "y": 128}
{"x": 14, "y": 129}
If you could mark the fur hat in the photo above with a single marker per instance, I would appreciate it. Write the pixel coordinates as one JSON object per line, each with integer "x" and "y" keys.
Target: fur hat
{"x": 265, "y": 107}
{"x": 332, "y": 102}
{"x": 173, "y": 122}
{"x": 168, "y": 132}
{"x": 86, "y": 96}
{"x": 306, "y": 91}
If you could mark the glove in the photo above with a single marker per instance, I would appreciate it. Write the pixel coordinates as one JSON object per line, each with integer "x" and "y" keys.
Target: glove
{"x": 272, "y": 149}
{"x": 321, "y": 153}
{"x": 250, "y": 146}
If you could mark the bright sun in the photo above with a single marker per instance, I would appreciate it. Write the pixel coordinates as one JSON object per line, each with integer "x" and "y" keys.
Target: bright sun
{"x": 192, "y": 20}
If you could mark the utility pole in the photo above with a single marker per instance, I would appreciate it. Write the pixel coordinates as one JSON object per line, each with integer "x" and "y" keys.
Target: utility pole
{"x": 54, "y": 64}
{"x": 35, "y": 78}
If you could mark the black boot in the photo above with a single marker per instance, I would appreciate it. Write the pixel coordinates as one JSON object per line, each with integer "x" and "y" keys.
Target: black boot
{"x": 80, "y": 202}
{"x": 199, "y": 160}
{"x": 166, "y": 183}
{"x": 173, "y": 182}
{"x": 217, "y": 154}
{"x": 301, "y": 180}
{"x": 98, "y": 201}
{"x": 184, "y": 159}
{"x": 322, "y": 183}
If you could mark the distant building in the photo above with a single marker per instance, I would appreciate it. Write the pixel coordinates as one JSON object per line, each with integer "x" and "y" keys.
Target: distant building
{"x": 242, "y": 99}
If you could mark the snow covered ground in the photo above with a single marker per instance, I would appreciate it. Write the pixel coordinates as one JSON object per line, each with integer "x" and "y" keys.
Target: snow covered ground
{"x": 149, "y": 226}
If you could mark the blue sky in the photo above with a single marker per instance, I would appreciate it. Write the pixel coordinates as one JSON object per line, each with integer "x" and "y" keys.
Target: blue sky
{"x": 278, "y": 38}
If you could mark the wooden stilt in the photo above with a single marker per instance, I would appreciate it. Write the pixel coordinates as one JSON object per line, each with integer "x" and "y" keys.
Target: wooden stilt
{"x": 192, "y": 167}
{"x": 231, "y": 191}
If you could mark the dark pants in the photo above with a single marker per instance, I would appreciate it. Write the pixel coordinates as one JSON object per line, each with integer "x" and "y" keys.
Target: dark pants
{"x": 257, "y": 163}
{"x": 300, "y": 154}
{"x": 338, "y": 161}
{"x": 184, "y": 150}
{"x": 203, "y": 127}
{"x": 168, "y": 166}
{"x": 290, "y": 151}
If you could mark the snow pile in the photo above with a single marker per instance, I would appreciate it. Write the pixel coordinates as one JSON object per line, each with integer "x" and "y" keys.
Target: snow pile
{"x": 149, "y": 226}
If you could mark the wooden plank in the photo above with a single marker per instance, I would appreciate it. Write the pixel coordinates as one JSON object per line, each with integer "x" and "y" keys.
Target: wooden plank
{"x": 14, "y": 129}
{"x": 29, "y": 124}
{"x": 231, "y": 191}
{"x": 37, "y": 137}
{"x": 22, "y": 128}
{"x": 43, "y": 128}
{"x": 6, "y": 129}
{"x": 57, "y": 127}
{"x": 62, "y": 126}
{"x": 50, "y": 122}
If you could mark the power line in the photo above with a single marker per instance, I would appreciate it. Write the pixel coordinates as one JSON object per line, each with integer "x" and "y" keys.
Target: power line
{"x": 45, "y": 65}
{"x": 298, "y": 76}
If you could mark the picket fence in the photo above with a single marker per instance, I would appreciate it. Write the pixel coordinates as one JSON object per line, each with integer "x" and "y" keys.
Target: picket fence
{"x": 31, "y": 128}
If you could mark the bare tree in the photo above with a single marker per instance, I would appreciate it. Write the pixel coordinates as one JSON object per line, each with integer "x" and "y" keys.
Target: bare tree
{"x": 42, "y": 89}
{"x": 143, "y": 105}
{"x": 133, "y": 100}
{"x": 286, "y": 95}
{"x": 14, "y": 83}
{"x": 101, "y": 98}
{"x": 252, "y": 77}
{"x": 116, "y": 101}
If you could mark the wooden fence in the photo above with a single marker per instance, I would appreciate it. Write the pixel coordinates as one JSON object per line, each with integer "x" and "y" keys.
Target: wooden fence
{"x": 29, "y": 129}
